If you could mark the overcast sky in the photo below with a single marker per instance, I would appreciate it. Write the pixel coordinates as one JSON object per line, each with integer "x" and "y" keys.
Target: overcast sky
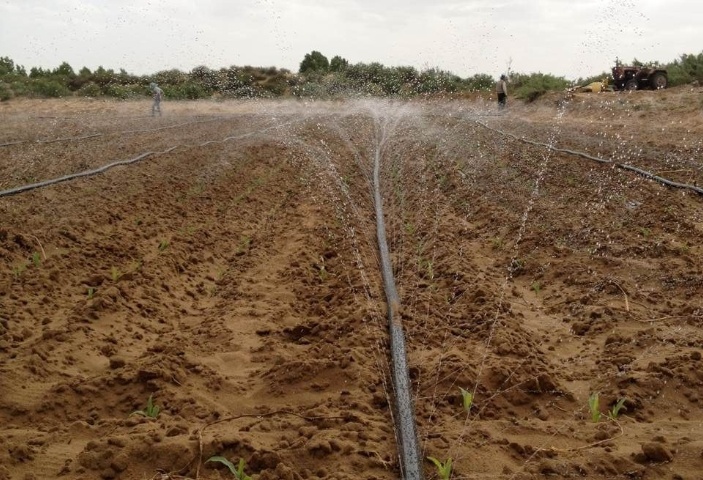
{"x": 568, "y": 38}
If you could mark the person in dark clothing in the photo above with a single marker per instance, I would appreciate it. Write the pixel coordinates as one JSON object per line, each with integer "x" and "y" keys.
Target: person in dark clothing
{"x": 502, "y": 91}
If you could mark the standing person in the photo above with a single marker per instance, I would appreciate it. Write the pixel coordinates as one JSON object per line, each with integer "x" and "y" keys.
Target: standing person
{"x": 158, "y": 94}
{"x": 502, "y": 91}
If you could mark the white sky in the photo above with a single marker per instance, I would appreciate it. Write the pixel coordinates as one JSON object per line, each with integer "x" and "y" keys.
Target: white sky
{"x": 563, "y": 37}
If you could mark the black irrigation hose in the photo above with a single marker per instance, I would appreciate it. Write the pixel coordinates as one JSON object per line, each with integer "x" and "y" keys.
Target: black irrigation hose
{"x": 45, "y": 183}
{"x": 408, "y": 447}
{"x": 94, "y": 135}
{"x": 624, "y": 166}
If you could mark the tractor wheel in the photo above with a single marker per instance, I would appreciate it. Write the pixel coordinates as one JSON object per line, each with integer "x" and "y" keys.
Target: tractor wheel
{"x": 658, "y": 81}
{"x": 631, "y": 84}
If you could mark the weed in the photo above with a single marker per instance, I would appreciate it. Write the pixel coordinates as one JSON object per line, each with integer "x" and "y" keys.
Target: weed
{"x": 620, "y": 405}
{"x": 115, "y": 274}
{"x": 138, "y": 221}
{"x": 237, "y": 471}
{"x": 645, "y": 232}
{"x": 594, "y": 407}
{"x": 18, "y": 270}
{"x": 497, "y": 243}
{"x": 536, "y": 286}
{"x": 444, "y": 470}
{"x": 36, "y": 259}
{"x": 163, "y": 245}
{"x": 151, "y": 410}
{"x": 91, "y": 293}
{"x": 243, "y": 247}
{"x": 468, "y": 399}
{"x": 427, "y": 266}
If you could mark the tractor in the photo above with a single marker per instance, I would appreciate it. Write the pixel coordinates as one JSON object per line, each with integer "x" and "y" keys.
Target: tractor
{"x": 638, "y": 78}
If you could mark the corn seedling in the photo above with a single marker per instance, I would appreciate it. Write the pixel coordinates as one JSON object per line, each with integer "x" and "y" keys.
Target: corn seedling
{"x": 615, "y": 411}
{"x": 444, "y": 470}
{"x": 91, "y": 293}
{"x": 594, "y": 407}
{"x": 115, "y": 274}
{"x": 243, "y": 246}
{"x": 18, "y": 270}
{"x": 467, "y": 398}
{"x": 163, "y": 245}
{"x": 237, "y": 471}
{"x": 151, "y": 410}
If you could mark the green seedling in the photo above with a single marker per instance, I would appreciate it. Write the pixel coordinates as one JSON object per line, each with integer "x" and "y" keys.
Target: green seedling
{"x": 151, "y": 410}
{"x": 115, "y": 274}
{"x": 163, "y": 245}
{"x": 91, "y": 293}
{"x": 536, "y": 286}
{"x": 19, "y": 270}
{"x": 237, "y": 471}
{"x": 594, "y": 407}
{"x": 444, "y": 470}
{"x": 36, "y": 259}
{"x": 615, "y": 411}
{"x": 468, "y": 399}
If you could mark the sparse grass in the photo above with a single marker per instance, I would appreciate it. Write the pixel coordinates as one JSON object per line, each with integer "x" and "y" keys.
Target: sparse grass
{"x": 163, "y": 245}
{"x": 237, "y": 471}
{"x": 36, "y": 259}
{"x": 444, "y": 469}
{"x": 91, "y": 293}
{"x": 151, "y": 410}
{"x": 497, "y": 243}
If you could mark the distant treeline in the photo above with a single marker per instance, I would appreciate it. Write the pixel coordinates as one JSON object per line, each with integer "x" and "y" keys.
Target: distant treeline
{"x": 317, "y": 77}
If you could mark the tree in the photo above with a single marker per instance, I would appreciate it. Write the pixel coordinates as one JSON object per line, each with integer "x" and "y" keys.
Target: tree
{"x": 314, "y": 62}
{"x": 64, "y": 69}
{"x": 7, "y": 66}
{"x": 338, "y": 64}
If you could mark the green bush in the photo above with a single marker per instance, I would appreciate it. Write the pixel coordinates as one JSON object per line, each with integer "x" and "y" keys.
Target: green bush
{"x": 6, "y": 92}
{"x": 531, "y": 87}
{"x": 48, "y": 87}
{"x": 89, "y": 89}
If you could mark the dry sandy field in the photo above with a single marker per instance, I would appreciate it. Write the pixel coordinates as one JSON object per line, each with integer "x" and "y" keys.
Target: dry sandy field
{"x": 230, "y": 274}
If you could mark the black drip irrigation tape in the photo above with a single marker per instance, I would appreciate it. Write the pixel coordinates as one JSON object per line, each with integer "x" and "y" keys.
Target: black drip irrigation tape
{"x": 87, "y": 173}
{"x": 406, "y": 431}
{"x": 124, "y": 132}
{"x": 624, "y": 166}
{"x": 46, "y": 183}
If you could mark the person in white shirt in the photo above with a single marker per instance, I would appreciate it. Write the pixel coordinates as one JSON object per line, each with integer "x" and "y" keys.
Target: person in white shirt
{"x": 502, "y": 91}
{"x": 158, "y": 94}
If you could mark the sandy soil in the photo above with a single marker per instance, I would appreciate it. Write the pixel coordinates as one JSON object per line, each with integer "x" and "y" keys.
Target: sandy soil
{"x": 235, "y": 280}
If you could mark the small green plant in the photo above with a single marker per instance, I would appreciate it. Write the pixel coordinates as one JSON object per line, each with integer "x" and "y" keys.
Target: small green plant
{"x": 615, "y": 411}
{"x": 163, "y": 245}
{"x": 244, "y": 243}
{"x": 91, "y": 293}
{"x": 237, "y": 471}
{"x": 594, "y": 407}
{"x": 444, "y": 470}
{"x": 115, "y": 274}
{"x": 18, "y": 270}
{"x": 497, "y": 243}
{"x": 467, "y": 398}
{"x": 151, "y": 410}
{"x": 536, "y": 286}
{"x": 36, "y": 259}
